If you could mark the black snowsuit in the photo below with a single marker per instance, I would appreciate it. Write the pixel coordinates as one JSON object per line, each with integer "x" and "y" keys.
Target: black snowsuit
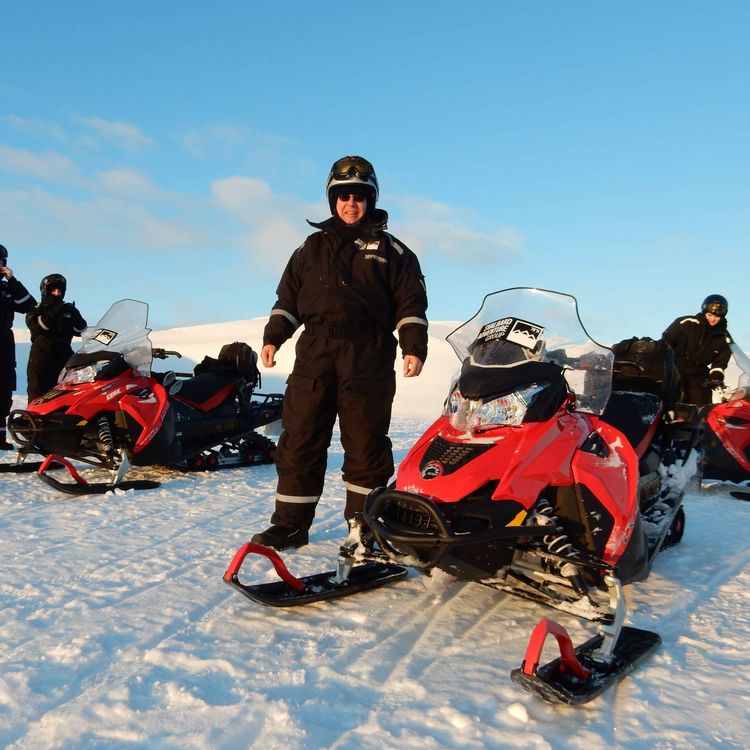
{"x": 702, "y": 354}
{"x": 14, "y": 297}
{"x": 52, "y": 323}
{"x": 350, "y": 287}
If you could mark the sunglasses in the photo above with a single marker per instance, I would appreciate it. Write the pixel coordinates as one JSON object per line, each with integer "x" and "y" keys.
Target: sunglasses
{"x": 357, "y": 197}
{"x": 349, "y": 165}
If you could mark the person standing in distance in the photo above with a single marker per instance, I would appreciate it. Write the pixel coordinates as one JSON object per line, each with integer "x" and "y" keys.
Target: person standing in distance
{"x": 350, "y": 285}
{"x": 53, "y": 323}
{"x": 701, "y": 344}
{"x": 14, "y": 298}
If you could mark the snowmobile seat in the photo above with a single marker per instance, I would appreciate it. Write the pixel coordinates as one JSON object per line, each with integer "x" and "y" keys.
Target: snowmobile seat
{"x": 206, "y": 390}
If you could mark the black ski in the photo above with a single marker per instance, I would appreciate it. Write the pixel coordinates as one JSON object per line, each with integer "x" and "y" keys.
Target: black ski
{"x": 740, "y": 494}
{"x": 320, "y": 586}
{"x": 556, "y": 681}
{"x": 26, "y": 468}
{"x": 292, "y": 592}
{"x": 98, "y": 488}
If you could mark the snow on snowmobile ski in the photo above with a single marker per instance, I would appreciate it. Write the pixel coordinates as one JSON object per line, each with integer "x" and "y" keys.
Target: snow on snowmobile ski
{"x": 109, "y": 409}
{"x": 726, "y": 437}
{"x": 555, "y": 472}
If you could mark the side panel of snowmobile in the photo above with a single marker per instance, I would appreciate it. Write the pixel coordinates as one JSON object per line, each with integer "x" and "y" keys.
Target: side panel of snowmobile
{"x": 608, "y": 467}
{"x": 148, "y": 412}
{"x": 726, "y": 442}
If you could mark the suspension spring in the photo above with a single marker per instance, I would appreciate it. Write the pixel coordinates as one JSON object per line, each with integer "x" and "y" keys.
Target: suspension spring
{"x": 557, "y": 544}
{"x": 105, "y": 433}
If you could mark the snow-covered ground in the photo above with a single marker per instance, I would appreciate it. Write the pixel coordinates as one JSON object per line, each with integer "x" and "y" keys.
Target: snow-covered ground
{"x": 117, "y": 631}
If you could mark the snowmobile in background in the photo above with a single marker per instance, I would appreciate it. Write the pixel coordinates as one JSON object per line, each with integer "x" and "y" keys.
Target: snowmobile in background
{"x": 555, "y": 472}
{"x": 111, "y": 411}
{"x": 726, "y": 437}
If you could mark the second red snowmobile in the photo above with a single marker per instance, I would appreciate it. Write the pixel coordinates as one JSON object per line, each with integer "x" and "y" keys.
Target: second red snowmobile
{"x": 110, "y": 410}
{"x": 726, "y": 437}
{"x": 555, "y": 472}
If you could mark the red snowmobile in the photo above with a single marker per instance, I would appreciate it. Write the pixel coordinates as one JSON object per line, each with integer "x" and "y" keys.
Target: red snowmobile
{"x": 726, "y": 436}
{"x": 554, "y": 473}
{"x": 111, "y": 411}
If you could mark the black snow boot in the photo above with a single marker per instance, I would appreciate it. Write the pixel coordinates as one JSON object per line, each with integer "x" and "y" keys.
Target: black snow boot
{"x": 4, "y": 444}
{"x": 281, "y": 537}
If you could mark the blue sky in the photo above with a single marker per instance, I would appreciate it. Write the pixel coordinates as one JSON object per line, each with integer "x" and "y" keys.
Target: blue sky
{"x": 172, "y": 151}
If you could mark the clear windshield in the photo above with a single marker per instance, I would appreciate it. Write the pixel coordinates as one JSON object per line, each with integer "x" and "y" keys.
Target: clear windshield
{"x": 738, "y": 371}
{"x": 527, "y": 324}
{"x": 122, "y": 329}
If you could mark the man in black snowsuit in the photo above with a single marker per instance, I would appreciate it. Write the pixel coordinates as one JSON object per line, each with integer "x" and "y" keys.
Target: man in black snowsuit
{"x": 14, "y": 297}
{"x": 52, "y": 323}
{"x": 350, "y": 284}
{"x": 701, "y": 344}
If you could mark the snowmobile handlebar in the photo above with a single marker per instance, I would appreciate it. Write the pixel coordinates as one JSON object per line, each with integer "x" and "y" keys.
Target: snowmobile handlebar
{"x": 158, "y": 353}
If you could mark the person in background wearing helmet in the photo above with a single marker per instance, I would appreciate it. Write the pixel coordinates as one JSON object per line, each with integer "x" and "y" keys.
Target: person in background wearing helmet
{"x": 53, "y": 323}
{"x": 14, "y": 297}
{"x": 350, "y": 285}
{"x": 701, "y": 344}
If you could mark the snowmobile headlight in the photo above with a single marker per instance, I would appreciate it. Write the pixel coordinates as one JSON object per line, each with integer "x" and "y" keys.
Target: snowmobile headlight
{"x": 508, "y": 410}
{"x": 85, "y": 374}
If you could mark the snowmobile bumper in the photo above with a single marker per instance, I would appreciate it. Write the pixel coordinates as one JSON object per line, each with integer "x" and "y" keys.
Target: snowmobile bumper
{"x": 408, "y": 526}
{"x": 291, "y": 591}
{"x": 578, "y": 676}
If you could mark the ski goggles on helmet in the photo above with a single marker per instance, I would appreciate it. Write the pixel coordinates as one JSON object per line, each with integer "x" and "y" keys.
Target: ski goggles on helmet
{"x": 715, "y": 308}
{"x": 352, "y": 165}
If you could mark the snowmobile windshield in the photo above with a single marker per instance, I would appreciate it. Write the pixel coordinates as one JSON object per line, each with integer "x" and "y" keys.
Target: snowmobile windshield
{"x": 525, "y": 324}
{"x": 122, "y": 330}
{"x": 738, "y": 372}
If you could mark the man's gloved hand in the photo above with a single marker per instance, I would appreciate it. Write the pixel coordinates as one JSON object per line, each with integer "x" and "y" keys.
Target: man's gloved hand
{"x": 715, "y": 379}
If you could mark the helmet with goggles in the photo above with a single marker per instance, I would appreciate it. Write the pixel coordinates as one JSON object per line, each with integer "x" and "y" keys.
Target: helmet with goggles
{"x": 53, "y": 281}
{"x": 352, "y": 174}
{"x": 715, "y": 304}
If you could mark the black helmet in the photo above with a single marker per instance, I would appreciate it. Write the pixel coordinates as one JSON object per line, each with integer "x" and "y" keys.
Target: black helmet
{"x": 352, "y": 172}
{"x": 715, "y": 304}
{"x": 53, "y": 281}
{"x": 3, "y": 253}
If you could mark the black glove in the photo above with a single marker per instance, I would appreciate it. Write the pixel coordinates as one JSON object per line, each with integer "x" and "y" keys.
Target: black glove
{"x": 713, "y": 383}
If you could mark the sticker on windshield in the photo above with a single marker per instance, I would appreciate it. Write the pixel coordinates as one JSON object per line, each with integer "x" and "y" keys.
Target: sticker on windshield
{"x": 515, "y": 330}
{"x": 104, "y": 336}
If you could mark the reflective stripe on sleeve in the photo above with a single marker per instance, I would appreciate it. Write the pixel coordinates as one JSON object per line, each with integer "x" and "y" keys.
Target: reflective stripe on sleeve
{"x": 404, "y": 321}
{"x": 288, "y": 316}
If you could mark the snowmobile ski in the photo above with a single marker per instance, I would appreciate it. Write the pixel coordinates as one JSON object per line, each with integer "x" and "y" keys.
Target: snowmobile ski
{"x": 26, "y": 468}
{"x": 740, "y": 494}
{"x": 81, "y": 486}
{"x": 292, "y": 592}
{"x": 579, "y": 674}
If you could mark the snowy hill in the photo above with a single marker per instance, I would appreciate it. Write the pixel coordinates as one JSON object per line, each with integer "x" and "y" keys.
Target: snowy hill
{"x": 117, "y": 630}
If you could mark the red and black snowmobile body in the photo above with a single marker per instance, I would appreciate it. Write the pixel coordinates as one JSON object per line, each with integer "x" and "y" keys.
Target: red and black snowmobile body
{"x": 111, "y": 411}
{"x": 726, "y": 435}
{"x": 539, "y": 478}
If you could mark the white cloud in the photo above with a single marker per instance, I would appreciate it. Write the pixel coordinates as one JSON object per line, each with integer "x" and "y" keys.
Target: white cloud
{"x": 36, "y": 127}
{"x": 123, "y": 134}
{"x": 432, "y": 227}
{"x": 49, "y": 166}
{"x": 127, "y": 182}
